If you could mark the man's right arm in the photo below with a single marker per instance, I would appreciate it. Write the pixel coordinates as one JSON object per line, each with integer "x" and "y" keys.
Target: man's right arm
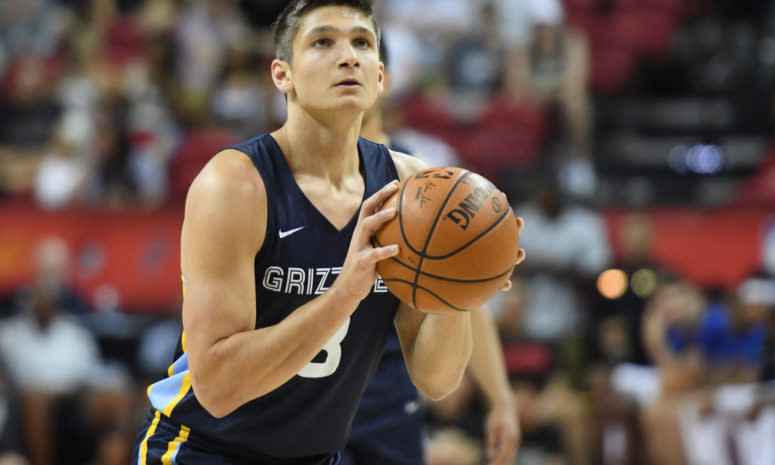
{"x": 230, "y": 361}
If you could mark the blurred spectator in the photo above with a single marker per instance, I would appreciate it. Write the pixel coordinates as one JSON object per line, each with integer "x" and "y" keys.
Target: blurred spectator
{"x": 514, "y": 23}
{"x": 553, "y": 67}
{"x": 388, "y": 119}
{"x": 475, "y": 62}
{"x": 731, "y": 416}
{"x": 111, "y": 183}
{"x": 615, "y": 434}
{"x": 433, "y": 25}
{"x": 430, "y": 148}
{"x": 151, "y": 128}
{"x": 78, "y": 89}
{"x": 239, "y": 100}
{"x": 619, "y": 320}
{"x": 64, "y": 172}
{"x": 158, "y": 16}
{"x": 30, "y": 26}
{"x": 205, "y": 31}
{"x": 551, "y": 413}
{"x": 672, "y": 320}
{"x": 568, "y": 248}
{"x": 697, "y": 346}
{"x": 733, "y": 334}
{"x": 70, "y": 398}
{"x": 455, "y": 426}
{"x": 46, "y": 316}
{"x": 29, "y": 111}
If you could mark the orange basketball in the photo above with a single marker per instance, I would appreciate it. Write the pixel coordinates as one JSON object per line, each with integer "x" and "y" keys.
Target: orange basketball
{"x": 458, "y": 240}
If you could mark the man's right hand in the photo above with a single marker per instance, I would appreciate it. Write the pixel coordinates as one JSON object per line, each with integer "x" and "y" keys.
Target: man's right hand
{"x": 360, "y": 266}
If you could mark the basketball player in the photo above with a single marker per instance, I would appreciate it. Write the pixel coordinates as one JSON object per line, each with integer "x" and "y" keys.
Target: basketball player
{"x": 387, "y": 429}
{"x": 284, "y": 319}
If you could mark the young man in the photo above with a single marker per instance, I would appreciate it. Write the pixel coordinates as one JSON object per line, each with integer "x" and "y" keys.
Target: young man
{"x": 284, "y": 320}
{"x": 387, "y": 429}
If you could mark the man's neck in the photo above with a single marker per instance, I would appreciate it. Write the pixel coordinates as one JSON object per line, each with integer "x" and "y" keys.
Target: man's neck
{"x": 326, "y": 149}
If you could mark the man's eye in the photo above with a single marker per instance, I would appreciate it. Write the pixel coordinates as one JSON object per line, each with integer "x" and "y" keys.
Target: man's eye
{"x": 362, "y": 43}
{"x": 322, "y": 43}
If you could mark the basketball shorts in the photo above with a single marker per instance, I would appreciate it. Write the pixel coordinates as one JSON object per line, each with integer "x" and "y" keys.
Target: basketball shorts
{"x": 168, "y": 444}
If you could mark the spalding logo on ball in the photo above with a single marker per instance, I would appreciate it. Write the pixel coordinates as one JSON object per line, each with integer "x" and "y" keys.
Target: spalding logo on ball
{"x": 458, "y": 240}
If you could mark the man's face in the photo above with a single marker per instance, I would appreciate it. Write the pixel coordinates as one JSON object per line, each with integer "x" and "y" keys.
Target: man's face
{"x": 335, "y": 62}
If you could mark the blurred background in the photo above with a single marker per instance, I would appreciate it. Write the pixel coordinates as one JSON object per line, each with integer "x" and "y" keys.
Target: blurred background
{"x": 634, "y": 136}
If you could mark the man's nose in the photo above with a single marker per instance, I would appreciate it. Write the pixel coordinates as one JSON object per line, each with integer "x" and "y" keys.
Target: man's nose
{"x": 348, "y": 58}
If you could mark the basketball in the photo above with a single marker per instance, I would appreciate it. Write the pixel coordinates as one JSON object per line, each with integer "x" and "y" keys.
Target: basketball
{"x": 458, "y": 240}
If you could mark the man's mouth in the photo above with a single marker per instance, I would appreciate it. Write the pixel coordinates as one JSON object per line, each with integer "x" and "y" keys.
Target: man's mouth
{"x": 348, "y": 83}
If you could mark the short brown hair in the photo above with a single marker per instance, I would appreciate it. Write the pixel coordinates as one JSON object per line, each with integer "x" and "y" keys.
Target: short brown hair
{"x": 287, "y": 24}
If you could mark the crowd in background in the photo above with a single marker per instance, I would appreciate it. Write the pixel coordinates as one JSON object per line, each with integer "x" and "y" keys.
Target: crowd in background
{"x": 614, "y": 359}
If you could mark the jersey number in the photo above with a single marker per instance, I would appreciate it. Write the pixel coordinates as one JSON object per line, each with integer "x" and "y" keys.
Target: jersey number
{"x": 333, "y": 350}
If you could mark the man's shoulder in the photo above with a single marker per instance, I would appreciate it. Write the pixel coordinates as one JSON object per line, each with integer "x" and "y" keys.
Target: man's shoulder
{"x": 230, "y": 171}
{"x": 228, "y": 179}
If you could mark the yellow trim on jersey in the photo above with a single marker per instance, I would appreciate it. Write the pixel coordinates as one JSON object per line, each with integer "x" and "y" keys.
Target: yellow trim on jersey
{"x": 151, "y": 430}
{"x": 183, "y": 341}
{"x": 166, "y": 459}
{"x": 185, "y": 385}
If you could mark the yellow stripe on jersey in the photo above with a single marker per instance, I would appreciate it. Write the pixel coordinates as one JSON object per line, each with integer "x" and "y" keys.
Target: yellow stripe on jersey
{"x": 169, "y": 457}
{"x": 143, "y": 455}
{"x": 183, "y": 341}
{"x": 185, "y": 385}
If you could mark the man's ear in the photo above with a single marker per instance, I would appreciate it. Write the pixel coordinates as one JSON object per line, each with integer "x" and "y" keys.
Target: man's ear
{"x": 382, "y": 80}
{"x": 281, "y": 75}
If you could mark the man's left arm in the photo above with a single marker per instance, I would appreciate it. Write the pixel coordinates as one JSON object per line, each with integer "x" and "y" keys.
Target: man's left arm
{"x": 436, "y": 347}
{"x": 489, "y": 369}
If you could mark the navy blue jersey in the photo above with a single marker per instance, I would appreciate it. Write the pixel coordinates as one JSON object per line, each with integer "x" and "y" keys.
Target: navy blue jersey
{"x": 310, "y": 415}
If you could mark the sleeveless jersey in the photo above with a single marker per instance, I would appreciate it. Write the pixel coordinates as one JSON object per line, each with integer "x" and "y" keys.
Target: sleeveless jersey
{"x": 310, "y": 415}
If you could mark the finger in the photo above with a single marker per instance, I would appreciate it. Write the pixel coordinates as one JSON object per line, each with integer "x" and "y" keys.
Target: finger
{"x": 372, "y": 223}
{"x": 381, "y": 253}
{"x": 506, "y": 285}
{"x": 370, "y": 205}
{"x": 521, "y": 256}
{"x": 520, "y": 223}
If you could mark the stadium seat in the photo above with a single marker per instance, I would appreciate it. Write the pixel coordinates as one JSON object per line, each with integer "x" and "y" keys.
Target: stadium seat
{"x": 611, "y": 67}
{"x": 643, "y": 32}
{"x": 124, "y": 41}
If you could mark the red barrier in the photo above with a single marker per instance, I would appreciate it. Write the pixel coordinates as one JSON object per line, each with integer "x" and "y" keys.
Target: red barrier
{"x": 137, "y": 254}
{"x": 134, "y": 252}
{"x": 710, "y": 248}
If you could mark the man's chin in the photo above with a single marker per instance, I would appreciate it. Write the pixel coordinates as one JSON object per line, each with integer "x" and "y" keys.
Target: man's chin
{"x": 355, "y": 105}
